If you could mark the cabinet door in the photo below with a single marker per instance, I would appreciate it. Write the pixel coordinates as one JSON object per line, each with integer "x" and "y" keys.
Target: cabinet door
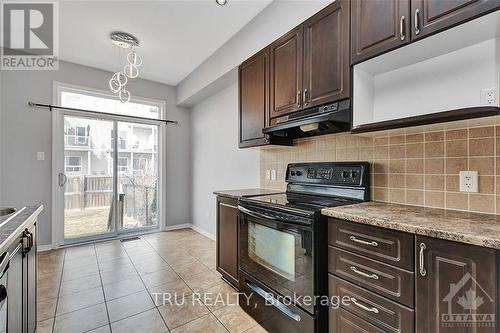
{"x": 286, "y": 73}
{"x": 326, "y": 56}
{"x": 254, "y": 99}
{"x": 15, "y": 290}
{"x": 454, "y": 280}
{"x": 29, "y": 278}
{"x": 227, "y": 239}
{"x": 342, "y": 321}
{"x": 431, "y": 16}
{"x": 378, "y": 26}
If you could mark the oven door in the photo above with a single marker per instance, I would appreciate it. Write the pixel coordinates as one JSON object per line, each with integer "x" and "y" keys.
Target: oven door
{"x": 279, "y": 254}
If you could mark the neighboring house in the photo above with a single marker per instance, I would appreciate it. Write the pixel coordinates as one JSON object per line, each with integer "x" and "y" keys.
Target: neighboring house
{"x": 88, "y": 153}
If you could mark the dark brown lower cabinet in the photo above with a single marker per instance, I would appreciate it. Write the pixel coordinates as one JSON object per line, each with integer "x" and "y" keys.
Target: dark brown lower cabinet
{"x": 21, "y": 283}
{"x": 452, "y": 286}
{"x": 342, "y": 321}
{"x": 456, "y": 287}
{"x": 227, "y": 239}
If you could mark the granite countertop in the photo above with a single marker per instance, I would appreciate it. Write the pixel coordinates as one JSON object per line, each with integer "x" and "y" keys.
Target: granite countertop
{"x": 251, "y": 192}
{"x": 15, "y": 225}
{"x": 471, "y": 228}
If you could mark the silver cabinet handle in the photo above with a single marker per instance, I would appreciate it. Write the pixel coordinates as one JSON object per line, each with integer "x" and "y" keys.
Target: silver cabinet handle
{"x": 360, "y": 241}
{"x": 402, "y": 28}
{"x": 62, "y": 179}
{"x": 305, "y": 97}
{"x": 421, "y": 264}
{"x": 364, "y": 307}
{"x": 417, "y": 14}
{"x": 357, "y": 271}
{"x": 298, "y": 98}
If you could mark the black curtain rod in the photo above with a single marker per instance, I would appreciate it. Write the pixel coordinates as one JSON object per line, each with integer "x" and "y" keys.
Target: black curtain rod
{"x": 97, "y": 113}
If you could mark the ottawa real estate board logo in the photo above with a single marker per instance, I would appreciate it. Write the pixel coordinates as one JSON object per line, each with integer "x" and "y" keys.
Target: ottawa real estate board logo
{"x": 29, "y": 35}
{"x": 468, "y": 305}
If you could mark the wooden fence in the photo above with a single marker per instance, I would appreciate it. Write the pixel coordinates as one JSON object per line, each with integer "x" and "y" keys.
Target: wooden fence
{"x": 138, "y": 194}
{"x": 84, "y": 191}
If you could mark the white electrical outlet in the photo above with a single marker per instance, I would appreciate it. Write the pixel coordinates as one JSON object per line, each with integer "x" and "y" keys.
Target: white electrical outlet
{"x": 489, "y": 96}
{"x": 40, "y": 156}
{"x": 468, "y": 181}
{"x": 268, "y": 174}
{"x": 273, "y": 174}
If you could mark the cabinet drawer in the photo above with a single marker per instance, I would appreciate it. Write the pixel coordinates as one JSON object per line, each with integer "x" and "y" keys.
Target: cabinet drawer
{"x": 386, "y": 280}
{"x": 377, "y": 310}
{"x": 393, "y": 247}
{"x": 345, "y": 322}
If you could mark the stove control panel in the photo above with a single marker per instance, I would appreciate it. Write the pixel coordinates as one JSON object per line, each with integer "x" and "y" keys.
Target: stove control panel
{"x": 329, "y": 173}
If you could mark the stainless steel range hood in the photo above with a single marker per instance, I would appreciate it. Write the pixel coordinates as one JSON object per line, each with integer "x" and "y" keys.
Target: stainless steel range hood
{"x": 326, "y": 119}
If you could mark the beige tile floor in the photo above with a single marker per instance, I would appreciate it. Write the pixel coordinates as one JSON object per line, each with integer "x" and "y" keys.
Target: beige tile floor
{"x": 111, "y": 287}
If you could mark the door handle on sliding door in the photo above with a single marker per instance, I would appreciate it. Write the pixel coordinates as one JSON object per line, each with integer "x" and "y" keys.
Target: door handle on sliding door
{"x": 270, "y": 299}
{"x": 62, "y": 179}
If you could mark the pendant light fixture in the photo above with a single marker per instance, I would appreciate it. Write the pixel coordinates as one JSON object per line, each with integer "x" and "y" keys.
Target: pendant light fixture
{"x": 119, "y": 80}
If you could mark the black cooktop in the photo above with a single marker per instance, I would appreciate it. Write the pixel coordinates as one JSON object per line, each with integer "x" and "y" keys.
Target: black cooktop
{"x": 303, "y": 202}
{"x": 314, "y": 186}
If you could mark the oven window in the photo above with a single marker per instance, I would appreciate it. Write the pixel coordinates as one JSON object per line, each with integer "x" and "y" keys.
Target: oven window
{"x": 273, "y": 249}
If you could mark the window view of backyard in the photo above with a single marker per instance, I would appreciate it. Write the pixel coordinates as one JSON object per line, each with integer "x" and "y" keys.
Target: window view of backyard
{"x": 89, "y": 203}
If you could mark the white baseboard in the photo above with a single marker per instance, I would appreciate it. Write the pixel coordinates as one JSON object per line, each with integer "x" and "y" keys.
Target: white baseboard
{"x": 48, "y": 247}
{"x": 41, "y": 248}
{"x": 177, "y": 226}
{"x": 203, "y": 232}
{"x": 190, "y": 226}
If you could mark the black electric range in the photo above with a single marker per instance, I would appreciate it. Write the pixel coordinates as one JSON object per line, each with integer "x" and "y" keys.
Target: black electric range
{"x": 283, "y": 244}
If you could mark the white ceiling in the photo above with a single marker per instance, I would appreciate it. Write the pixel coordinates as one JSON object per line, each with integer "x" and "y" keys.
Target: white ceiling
{"x": 175, "y": 36}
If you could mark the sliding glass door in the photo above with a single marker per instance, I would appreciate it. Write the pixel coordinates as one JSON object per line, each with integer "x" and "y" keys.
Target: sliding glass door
{"x": 137, "y": 175}
{"x": 108, "y": 168}
{"x": 108, "y": 193}
{"x": 88, "y": 177}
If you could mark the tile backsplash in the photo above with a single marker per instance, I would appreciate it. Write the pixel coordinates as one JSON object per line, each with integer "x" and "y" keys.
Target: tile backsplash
{"x": 416, "y": 166}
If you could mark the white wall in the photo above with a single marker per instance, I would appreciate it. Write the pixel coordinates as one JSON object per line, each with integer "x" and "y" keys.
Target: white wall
{"x": 217, "y": 163}
{"x": 24, "y": 131}
{"x": 274, "y": 21}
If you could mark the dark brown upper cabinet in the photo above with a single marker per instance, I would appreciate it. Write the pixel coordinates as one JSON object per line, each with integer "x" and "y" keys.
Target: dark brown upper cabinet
{"x": 431, "y": 16}
{"x": 309, "y": 65}
{"x": 378, "y": 26}
{"x": 254, "y": 99}
{"x": 449, "y": 277}
{"x": 286, "y": 73}
{"x": 326, "y": 73}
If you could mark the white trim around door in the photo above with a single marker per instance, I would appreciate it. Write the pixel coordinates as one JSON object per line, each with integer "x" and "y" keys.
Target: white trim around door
{"x": 58, "y": 159}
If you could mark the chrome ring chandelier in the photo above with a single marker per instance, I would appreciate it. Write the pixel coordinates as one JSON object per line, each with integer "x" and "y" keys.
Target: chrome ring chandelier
{"x": 119, "y": 80}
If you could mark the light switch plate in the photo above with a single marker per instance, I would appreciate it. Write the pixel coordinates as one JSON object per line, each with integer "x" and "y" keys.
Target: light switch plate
{"x": 40, "y": 156}
{"x": 273, "y": 174}
{"x": 469, "y": 181}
